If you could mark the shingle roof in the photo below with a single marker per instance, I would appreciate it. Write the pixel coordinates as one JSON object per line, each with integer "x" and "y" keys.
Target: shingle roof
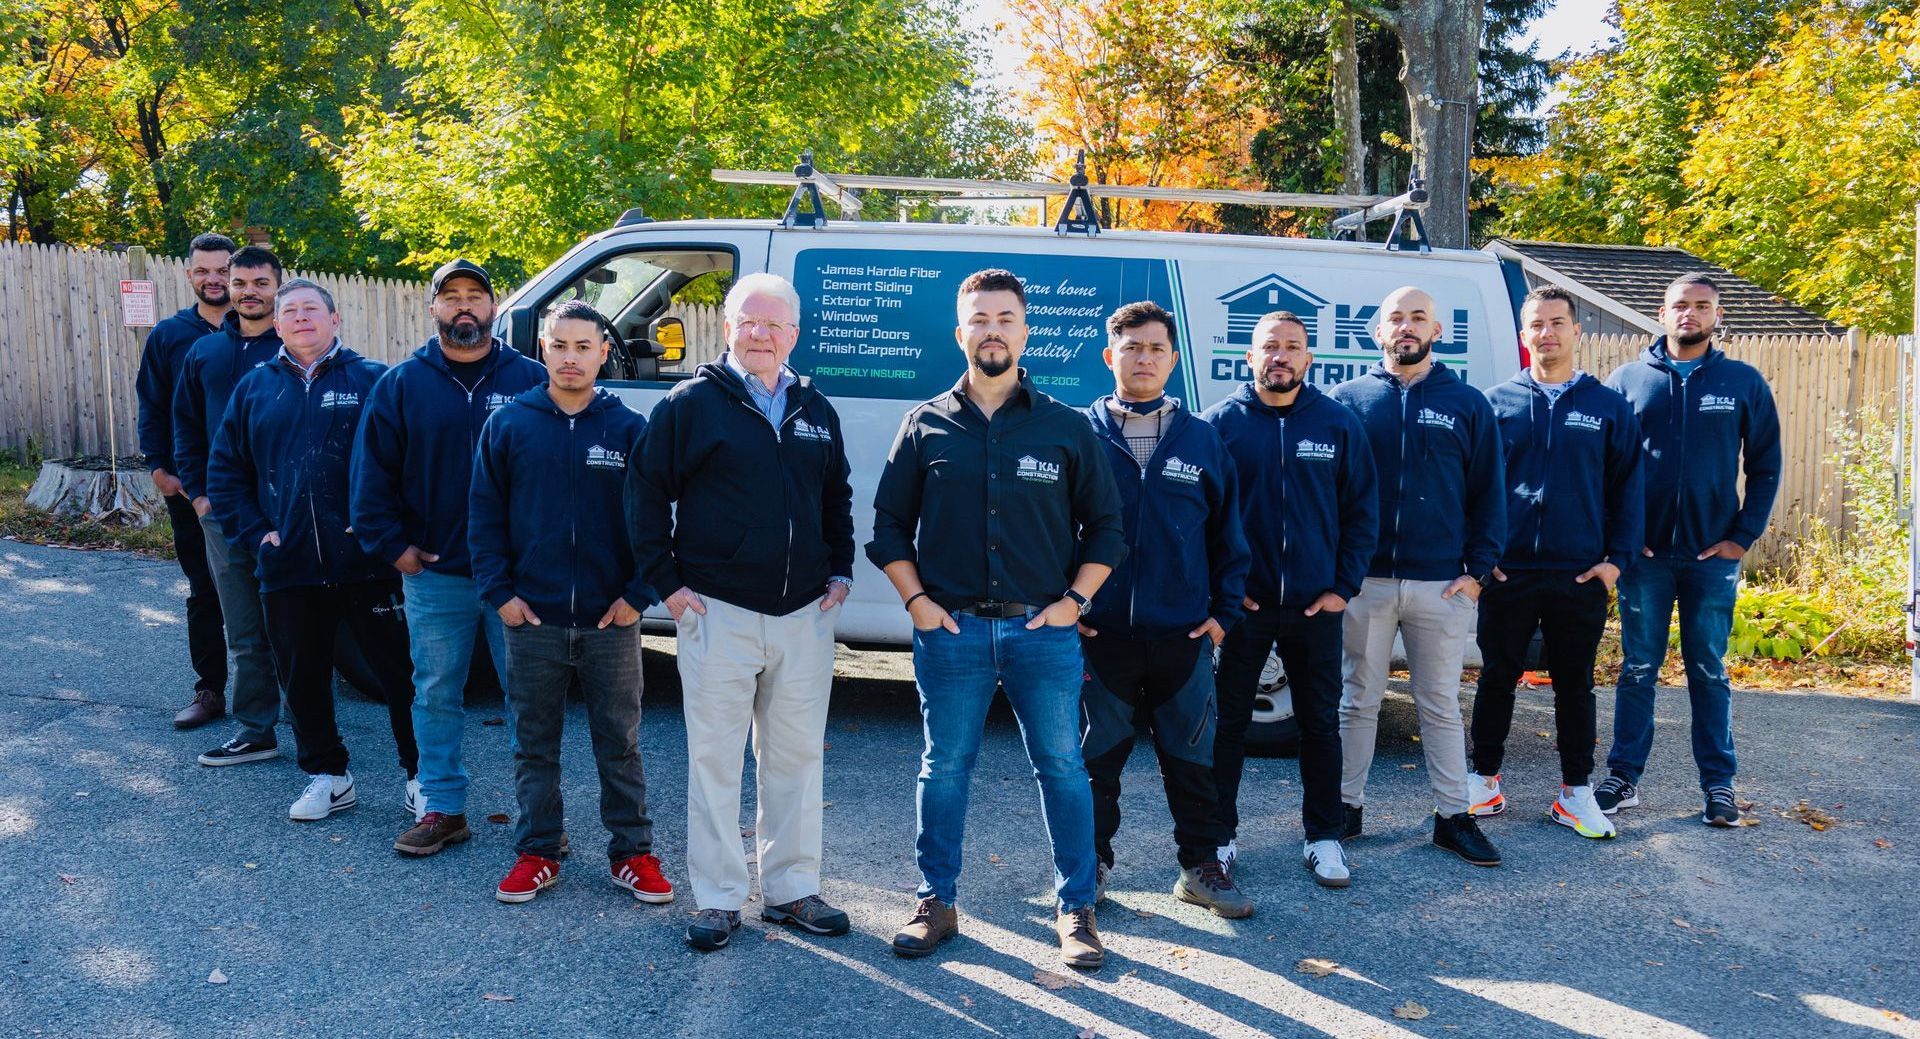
{"x": 1637, "y": 276}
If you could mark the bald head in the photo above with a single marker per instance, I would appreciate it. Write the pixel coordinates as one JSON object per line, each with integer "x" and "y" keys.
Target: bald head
{"x": 1407, "y": 327}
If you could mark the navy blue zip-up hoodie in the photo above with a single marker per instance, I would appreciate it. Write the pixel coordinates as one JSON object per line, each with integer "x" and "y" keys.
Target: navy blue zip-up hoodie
{"x": 1574, "y": 497}
{"x": 1308, "y": 499}
{"x": 160, "y": 360}
{"x": 280, "y": 463}
{"x": 214, "y": 365}
{"x": 1694, "y": 432}
{"x": 548, "y": 522}
{"x": 765, "y": 515}
{"x": 1186, "y": 554}
{"x": 1436, "y": 447}
{"x": 413, "y": 460}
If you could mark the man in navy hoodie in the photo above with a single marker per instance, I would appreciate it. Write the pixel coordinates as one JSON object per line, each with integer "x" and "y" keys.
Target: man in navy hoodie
{"x": 1574, "y": 513}
{"x": 1443, "y": 518}
{"x": 1149, "y": 637}
{"x": 213, "y": 366}
{"x": 278, "y": 483}
{"x": 551, "y": 555}
{"x": 1312, "y": 514}
{"x": 1704, "y": 418}
{"x": 412, "y": 474}
{"x": 742, "y": 513}
{"x": 160, "y": 360}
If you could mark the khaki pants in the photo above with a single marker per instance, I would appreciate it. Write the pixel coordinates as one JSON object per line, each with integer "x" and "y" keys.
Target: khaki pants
{"x": 1435, "y": 632}
{"x": 738, "y": 669}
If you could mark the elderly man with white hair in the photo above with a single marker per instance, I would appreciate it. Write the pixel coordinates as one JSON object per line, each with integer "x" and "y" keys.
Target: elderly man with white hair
{"x": 752, "y": 564}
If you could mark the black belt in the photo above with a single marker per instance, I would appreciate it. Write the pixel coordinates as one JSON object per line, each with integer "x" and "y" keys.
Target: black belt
{"x": 993, "y": 608}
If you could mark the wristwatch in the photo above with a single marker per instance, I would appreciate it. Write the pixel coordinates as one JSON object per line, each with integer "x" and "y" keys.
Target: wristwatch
{"x": 1082, "y": 601}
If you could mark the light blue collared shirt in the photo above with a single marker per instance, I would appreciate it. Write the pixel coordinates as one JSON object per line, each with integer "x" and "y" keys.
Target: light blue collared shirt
{"x": 772, "y": 403}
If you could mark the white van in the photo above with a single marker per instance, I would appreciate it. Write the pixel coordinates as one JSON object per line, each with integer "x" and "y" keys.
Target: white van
{"x": 877, "y": 320}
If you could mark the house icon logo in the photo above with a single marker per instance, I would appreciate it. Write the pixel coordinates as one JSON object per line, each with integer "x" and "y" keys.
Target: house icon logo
{"x": 1246, "y": 305}
{"x": 603, "y": 458}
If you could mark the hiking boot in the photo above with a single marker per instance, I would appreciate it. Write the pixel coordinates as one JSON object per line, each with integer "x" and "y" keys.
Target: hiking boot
{"x": 1576, "y": 808}
{"x": 1721, "y": 808}
{"x": 811, "y": 913}
{"x": 323, "y": 796}
{"x": 641, "y": 875}
{"x": 932, "y": 922}
{"x": 1483, "y": 795}
{"x": 208, "y": 705}
{"x": 1208, "y": 885}
{"x": 237, "y": 751}
{"x": 1461, "y": 835}
{"x": 434, "y": 831}
{"x": 1352, "y": 827}
{"x": 1328, "y": 861}
{"x": 1080, "y": 939}
{"x": 530, "y": 875}
{"x": 1615, "y": 793}
{"x": 712, "y": 929}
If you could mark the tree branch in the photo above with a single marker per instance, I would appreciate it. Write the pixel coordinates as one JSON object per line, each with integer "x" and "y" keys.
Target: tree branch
{"x": 1370, "y": 9}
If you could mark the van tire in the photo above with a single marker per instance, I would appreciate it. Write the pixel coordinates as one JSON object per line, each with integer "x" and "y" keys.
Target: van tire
{"x": 1277, "y": 739}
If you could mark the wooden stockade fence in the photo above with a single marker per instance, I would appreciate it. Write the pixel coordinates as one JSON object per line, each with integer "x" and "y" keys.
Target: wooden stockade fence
{"x": 67, "y": 366}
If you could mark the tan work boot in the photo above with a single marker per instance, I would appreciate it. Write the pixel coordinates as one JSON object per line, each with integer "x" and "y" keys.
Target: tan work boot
{"x": 1080, "y": 939}
{"x": 933, "y": 922}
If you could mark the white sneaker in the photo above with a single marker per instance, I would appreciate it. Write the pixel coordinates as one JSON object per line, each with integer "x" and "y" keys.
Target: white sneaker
{"x": 1575, "y": 807}
{"x": 416, "y": 801}
{"x": 1483, "y": 795}
{"x": 324, "y": 796}
{"x": 1228, "y": 854}
{"x": 1328, "y": 861}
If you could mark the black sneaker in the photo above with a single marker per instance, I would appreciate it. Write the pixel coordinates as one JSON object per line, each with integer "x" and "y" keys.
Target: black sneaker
{"x": 811, "y": 913}
{"x": 1461, "y": 835}
{"x": 1352, "y": 827}
{"x": 1721, "y": 809}
{"x": 237, "y": 751}
{"x": 1615, "y": 793}
{"x": 712, "y": 929}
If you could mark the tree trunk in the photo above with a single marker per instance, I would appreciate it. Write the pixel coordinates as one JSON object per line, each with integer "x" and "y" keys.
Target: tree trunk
{"x": 1346, "y": 104}
{"x": 1440, "y": 41}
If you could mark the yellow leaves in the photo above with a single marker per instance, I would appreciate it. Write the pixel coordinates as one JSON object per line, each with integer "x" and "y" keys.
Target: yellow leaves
{"x": 1818, "y": 820}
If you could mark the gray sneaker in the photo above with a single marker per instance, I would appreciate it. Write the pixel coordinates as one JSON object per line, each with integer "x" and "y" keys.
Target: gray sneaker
{"x": 811, "y": 913}
{"x": 712, "y": 929}
{"x": 1208, "y": 885}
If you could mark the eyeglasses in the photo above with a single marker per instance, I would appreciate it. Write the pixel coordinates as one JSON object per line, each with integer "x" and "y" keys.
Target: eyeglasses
{"x": 751, "y": 325}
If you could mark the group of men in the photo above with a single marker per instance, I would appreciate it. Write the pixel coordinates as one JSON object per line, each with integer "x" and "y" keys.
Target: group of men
{"x": 1090, "y": 564}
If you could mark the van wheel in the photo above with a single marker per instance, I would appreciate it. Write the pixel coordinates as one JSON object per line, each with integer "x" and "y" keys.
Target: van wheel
{"x": 1274, "y": 733}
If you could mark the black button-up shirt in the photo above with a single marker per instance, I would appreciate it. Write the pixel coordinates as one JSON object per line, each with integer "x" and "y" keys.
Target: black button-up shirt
{"x": 1005, "y": 509}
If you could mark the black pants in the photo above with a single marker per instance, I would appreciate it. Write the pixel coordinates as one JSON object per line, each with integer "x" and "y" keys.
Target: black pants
{"x": 1310, "y": 651}
{"x": 1570, "y": 618}
{"x": 301, "y": 623}
{"x": 1168, "y": 684}
{"x": 206, "y": 633}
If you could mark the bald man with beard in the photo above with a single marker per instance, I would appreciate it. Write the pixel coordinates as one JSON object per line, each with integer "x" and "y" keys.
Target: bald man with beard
{"x": 1443, "y": 523}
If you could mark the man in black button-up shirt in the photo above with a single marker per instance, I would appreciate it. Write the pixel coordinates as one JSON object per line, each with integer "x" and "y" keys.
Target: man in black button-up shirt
{"x": 1018, "y": 524}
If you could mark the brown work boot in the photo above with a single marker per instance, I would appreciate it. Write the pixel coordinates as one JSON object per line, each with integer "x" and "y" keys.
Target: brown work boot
{"x": 1080, "y": 939}
{"x": 208, "y": 705}
{"x": 434, "y": 831}
{"x": 933, "y": 922}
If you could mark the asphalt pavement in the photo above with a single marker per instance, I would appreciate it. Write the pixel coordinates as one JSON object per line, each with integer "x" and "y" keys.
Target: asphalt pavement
{"x": 151, "y": 896}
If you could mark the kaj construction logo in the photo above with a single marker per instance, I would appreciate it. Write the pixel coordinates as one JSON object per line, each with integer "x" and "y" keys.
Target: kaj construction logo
{"x": 1035, "y": 471}
{"x": 339, "y": 399}
{"x": 1185, "y": 472}
{"x": 605, "y": 458}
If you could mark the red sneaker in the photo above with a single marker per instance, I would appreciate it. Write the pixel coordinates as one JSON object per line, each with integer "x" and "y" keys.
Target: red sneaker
{"x": 529, "y": 876}
{"x": 641, "y": 875}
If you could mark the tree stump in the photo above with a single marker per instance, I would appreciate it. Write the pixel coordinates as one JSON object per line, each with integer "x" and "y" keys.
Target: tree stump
{"x": 93, "y": 489}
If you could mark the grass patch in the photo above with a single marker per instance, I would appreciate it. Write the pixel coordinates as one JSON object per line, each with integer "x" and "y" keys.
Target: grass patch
{"x": 19, "y": 523}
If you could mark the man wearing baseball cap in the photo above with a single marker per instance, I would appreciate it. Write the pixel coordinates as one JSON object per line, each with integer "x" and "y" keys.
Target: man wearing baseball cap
{"x": 412, "y": 472}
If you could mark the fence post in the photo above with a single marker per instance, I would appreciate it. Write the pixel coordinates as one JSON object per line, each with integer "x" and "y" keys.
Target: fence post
{"x": 1856, "y": 347}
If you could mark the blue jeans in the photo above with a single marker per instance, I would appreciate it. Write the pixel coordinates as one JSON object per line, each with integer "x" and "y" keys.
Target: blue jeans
{"x": 444, "y": 616}
{"x": 1705, "y": 590}
{"x": 956, "y": 676}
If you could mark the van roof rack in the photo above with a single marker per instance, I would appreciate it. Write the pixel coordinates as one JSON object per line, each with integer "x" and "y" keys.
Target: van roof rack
{"x": 1078, "y": 216}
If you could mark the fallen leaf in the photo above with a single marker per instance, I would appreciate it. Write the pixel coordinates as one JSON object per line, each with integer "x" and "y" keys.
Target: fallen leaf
{"x": 499, "y": 817}
{"x": 68, "y": 878}
{"x": 1766, "y": 995}
{"x": 1654, "y": 963}
{"x": 495, "y": 997}
{"x": 966, "y": 1001}
{"x": 1047, "y": 979}
{"x": 1411, "y": 1011}
{"x": 1144, "y": 915}
{"x": 251, "y": 865}
{"x": 1317, "y": 967}
{"x": 1882, "y": 843}
{"x": 1087, "y": 1033}
{"x": 1677, "y": 922}
{"x": 494, "y": 721}
{"x": 1542, "y": 735}
{"x": 772, "y": 936}
{"x": 218, "y": 977}
{"x": 1409, "y": 768}
{"x": 1179, "y": 951}
{"x": 993, "y": 858}
{"x": 1820, "y": 821}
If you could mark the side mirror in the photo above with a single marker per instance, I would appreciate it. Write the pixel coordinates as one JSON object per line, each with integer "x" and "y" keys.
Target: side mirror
{"x": 669, "y": 336}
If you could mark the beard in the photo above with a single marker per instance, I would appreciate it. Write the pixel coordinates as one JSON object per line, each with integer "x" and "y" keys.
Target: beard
{"x": 1279, "y": 381}
{"x": 1692, "y": 339}
{"x": 213, "y": 294}
{"x": 996, "y": 367}
{"x": 464, "y": 330}
{"x": 1407, "y": 354}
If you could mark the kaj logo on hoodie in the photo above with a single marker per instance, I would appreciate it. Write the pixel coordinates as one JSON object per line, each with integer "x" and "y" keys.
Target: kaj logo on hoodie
{"x": 1312, "y": 451}
{"x": 1712, "y": 404}
{"x": 1582, "y": 420}
{"x": 1438, "y": 420}
{"x": 496, "y": 401}
{"x": 1034, "y": 470}
{"x": 808, "y": 431}
{"x": 605, "y": 458}
{"x": 1181, "y": 471}
{"x": 339, "y": 399}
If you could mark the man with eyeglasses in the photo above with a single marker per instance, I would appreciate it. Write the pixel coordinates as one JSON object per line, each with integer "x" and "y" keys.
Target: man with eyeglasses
{"x": 752, "y": 565}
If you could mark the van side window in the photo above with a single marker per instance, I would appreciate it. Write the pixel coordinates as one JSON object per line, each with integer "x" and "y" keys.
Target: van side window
{"x": 632, "y": 289}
